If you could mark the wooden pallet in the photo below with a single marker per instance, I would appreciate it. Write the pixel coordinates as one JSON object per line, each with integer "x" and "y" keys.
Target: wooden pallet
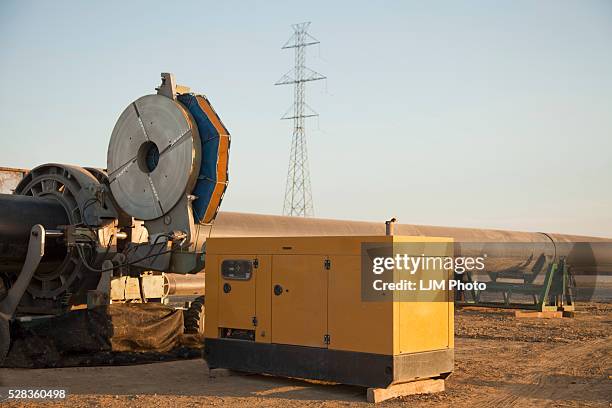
{"x": 520, "y": 314}
{"x": 428, "y": 386}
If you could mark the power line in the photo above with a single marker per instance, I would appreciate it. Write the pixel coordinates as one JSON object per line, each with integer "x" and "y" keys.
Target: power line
{"x": 298, "y": 194}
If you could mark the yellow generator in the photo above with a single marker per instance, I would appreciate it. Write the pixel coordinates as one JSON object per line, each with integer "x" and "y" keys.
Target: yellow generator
{"x": 299, "y": 307}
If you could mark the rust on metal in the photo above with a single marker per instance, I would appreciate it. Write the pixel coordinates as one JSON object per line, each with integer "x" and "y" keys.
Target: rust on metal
{"x": 10, "y": 177}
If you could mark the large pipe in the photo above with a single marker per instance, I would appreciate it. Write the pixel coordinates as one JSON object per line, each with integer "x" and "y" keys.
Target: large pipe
{"x": 585, "y": 254}
{"x": 18, "y": 215}
{"x": 513, "y": 249}
{"x": 176, "y": 284}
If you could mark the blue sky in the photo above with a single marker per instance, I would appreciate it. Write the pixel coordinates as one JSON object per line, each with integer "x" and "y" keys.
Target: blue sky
{"x": 463, "y": 113}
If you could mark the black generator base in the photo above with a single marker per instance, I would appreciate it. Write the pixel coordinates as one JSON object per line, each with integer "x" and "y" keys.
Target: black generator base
{"x": 346, "y": 367}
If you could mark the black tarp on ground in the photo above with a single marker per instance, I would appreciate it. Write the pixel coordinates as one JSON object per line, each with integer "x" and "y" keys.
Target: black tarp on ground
{"x": 114, "y": 334}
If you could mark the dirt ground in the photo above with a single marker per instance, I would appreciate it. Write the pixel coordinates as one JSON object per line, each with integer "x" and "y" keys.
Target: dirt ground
{"x": 500, "y": 361}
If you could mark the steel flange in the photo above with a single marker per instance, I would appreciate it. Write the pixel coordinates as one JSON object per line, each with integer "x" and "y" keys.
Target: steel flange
{"x": 153, "y": 157}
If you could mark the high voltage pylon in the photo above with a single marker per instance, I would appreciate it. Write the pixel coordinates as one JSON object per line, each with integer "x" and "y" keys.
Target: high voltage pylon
{"x": 298, "y": 195}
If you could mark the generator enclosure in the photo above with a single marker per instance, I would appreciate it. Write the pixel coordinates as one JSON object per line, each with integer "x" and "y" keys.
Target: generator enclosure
{"x": 293, "y": 306}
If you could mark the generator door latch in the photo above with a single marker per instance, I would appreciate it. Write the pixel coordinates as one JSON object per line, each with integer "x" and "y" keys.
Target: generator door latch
{"x": 327, "y": 264}
{"x": 255, "y": 263}
{"x": 255, "y": 321}
{"x": 326, "y": 339}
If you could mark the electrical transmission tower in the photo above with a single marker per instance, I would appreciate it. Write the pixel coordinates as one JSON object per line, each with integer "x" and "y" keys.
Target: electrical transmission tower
{"x": 298, "y": 196}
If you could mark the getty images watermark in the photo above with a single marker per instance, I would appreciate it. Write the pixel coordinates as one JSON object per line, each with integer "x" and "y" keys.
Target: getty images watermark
{"x": 418, "y": 271}
{"x": 412, "y": 264}
{"x": 486, "y": 271}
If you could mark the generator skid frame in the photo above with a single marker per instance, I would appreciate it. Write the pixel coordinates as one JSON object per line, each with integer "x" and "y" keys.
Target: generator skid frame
{"x": 293, "y": 307}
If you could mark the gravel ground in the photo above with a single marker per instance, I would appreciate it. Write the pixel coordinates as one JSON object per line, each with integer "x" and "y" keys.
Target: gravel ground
{"x": 500, "y": 361}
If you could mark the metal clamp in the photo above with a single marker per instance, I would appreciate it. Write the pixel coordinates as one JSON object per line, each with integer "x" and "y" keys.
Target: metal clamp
{"x": 36, "y": 250}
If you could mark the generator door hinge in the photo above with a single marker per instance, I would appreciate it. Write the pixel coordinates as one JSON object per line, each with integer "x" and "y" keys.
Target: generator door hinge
{"x": 326, "y": 339}
{"x": 254, "y": 321}
{"x": 255, "y": 263}
{"x": 327, "y": 264}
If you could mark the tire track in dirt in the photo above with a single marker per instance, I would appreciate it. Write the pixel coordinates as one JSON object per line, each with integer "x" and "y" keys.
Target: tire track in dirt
{"x": 554, "y": 361}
